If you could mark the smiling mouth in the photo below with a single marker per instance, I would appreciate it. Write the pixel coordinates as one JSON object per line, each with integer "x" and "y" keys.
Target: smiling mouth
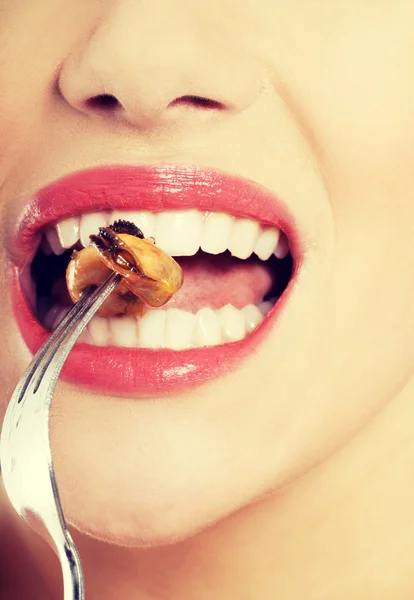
{"x": 235, "y": 270}
{"x": 234, "y": 241}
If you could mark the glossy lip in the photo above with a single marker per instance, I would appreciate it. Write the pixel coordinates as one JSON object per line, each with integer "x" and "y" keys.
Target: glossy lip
{"x": 134, "y": 371}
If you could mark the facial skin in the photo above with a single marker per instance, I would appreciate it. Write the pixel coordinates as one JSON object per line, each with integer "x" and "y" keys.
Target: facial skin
{"x": 318, "y": 107}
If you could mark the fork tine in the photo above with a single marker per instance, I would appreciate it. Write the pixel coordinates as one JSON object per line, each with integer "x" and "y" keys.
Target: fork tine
{"x": 72, "y": 327}
{"x": 28, "y": 375}
{"x": 69, "y": 322}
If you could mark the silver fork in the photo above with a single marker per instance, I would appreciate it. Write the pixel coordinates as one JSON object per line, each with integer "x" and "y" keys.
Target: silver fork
{"x": 25, "y": 454}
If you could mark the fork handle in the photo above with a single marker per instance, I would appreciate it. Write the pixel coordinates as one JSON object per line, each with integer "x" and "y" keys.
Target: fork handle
{"x": 73, "y": 581}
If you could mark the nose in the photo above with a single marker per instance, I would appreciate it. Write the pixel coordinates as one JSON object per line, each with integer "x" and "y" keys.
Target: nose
{"x": 160, "y": 63}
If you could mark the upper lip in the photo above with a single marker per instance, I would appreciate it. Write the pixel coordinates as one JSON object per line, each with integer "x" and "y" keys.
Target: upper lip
{"x": 147, "y": 187}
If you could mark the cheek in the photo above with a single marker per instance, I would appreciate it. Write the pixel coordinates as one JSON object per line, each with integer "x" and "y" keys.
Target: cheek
{"x": 347, "y": 78}
{"x": 355, "y": 93}
{"x": 35, "y": 37}
{"x": 362, "y": 352}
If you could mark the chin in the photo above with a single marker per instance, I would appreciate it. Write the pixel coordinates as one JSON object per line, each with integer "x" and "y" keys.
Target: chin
{"x": 158, "y": 517}
{"x": 140, "y": 476}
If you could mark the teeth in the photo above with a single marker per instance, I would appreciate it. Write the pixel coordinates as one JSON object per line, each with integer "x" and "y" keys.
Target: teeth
{"x": 282, "y": 249}
{"x": 151, "y": 329}
{"x": 253, "y": 317}
{"x": 179, "y": 328}
{"x": 216, "y": 232}
{"x": 267, "y": 243}
{"x": 207, "y": 328}
{"x": 90, "y": 224}
{"x": 243, "y": 238}
{"x": 99, "y": 332}
{"x": 84, "y": 337}
{"x": 232, "y": 323}
{"x": 174, "y": 328}
{"x": 54, "y": 243}
{"x": 178, "y": 233}
{"x": 68, "y": 232}
{"x": 123, "y": 331}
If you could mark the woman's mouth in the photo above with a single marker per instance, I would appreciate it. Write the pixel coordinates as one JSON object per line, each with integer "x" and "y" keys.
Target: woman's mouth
{"x": 233, "y": 239}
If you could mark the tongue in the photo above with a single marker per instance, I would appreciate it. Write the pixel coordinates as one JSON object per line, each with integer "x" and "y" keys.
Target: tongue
{"x": 219, "y": 280}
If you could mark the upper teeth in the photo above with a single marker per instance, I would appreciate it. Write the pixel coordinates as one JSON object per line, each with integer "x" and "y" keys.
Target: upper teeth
{"x": 179, "y": 232}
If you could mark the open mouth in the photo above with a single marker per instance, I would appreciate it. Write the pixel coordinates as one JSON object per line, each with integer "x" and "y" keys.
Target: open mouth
{"x": 234, "y": 269}
{"x": 230, "y": 237}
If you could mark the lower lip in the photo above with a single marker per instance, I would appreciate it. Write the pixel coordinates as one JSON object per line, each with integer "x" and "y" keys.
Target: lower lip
{"x": 140, "y": 372}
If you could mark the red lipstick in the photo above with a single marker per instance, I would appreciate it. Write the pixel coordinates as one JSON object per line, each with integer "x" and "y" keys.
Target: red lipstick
{"x": 141, "y": 372}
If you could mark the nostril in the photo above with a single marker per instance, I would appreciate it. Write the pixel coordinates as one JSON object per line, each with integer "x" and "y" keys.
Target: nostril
{"x": 104, "y": 102}
{"x": 108, "y": 104}
{"x": 197, "y": 102}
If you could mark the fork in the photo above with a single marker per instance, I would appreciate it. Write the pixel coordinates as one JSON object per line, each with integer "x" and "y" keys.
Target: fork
{"x": 25, "y": 453}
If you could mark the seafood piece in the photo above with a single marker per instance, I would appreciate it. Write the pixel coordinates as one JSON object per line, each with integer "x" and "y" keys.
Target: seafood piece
{"x": 149, "y": 275}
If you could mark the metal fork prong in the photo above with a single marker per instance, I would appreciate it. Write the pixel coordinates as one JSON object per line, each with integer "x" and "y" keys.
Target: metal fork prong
{"x": 52, "y": 339}
{"x": 85, "y": 300}
{"x": 73, "y": 324}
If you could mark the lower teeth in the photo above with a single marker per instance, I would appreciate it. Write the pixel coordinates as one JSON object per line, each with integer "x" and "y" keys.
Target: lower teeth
{"x": 173, "y": 328}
